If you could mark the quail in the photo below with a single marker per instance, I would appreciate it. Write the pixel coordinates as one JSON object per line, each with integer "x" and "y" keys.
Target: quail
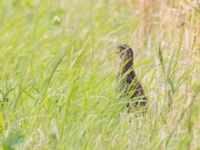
{"x": 129, "y": 86}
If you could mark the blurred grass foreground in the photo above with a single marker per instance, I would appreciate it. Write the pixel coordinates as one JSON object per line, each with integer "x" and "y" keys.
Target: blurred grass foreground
{"x": 58, "y": 68}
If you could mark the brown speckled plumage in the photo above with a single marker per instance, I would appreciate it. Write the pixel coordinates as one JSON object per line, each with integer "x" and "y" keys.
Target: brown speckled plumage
{"x": 129, "y": 85}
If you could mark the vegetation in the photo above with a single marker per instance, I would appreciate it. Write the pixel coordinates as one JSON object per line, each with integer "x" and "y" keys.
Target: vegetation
{"x": 58, "y": 68}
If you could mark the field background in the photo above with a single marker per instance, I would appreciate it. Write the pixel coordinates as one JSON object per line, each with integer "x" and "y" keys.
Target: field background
{"x": 58, "y": 68}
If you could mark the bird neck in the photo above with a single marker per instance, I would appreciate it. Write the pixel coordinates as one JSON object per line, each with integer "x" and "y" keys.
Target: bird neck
{"x": 128, "y": 67}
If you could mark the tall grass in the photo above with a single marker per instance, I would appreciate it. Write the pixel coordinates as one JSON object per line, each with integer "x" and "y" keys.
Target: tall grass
{"x": 58, "y": 68}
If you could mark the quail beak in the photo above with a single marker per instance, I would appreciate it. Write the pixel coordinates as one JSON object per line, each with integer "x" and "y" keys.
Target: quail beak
{"x": 117, "y": 50}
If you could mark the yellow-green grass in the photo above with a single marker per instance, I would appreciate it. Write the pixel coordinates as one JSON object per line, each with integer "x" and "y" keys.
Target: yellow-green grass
{"x": 58, "y": 72}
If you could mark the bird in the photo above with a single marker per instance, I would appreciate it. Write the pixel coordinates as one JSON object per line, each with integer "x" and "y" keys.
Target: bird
{"x": 129, "y": 86}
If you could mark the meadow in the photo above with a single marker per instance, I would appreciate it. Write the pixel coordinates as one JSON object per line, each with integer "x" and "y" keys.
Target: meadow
{"x": 58, "y": 71}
